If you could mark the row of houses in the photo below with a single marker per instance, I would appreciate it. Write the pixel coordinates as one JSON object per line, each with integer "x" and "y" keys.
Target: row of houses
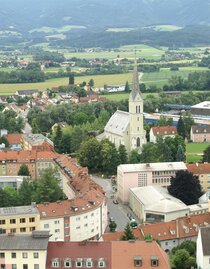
{"x": 83, "y": 216}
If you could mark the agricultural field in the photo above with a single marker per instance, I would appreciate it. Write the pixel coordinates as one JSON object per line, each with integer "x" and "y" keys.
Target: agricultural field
{"x": 100, "y": 81}
{"x": 117, "y": 30}
{"x": 194, "y": 151}
{"x": 164, "y": 27}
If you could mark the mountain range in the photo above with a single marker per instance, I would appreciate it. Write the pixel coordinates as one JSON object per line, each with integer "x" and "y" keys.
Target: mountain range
{"x": 25, "y": 15}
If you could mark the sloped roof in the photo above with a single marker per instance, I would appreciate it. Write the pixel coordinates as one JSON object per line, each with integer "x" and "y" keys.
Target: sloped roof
{"x": 118, "y": 123}
{"x": 205, "y": 239}
{"x": 198, "y": 168}
{"x": 198, "y": 129}
{"x": 13, "y": 138}
{"x": 164, "y": 130}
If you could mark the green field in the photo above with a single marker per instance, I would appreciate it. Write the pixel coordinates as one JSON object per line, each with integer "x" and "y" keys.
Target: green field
{"x": 117, "y": 30}
{"x": 100, "y": 81}
{"x": 62, "y": 29}
{"x": 194, "y": 151}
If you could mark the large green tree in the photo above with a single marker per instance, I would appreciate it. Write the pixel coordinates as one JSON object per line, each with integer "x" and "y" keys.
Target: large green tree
{"x": 25, "y": 192}
{"x": 206, "y": 155}
{"x": 186, "y": 187}
{"x": 123, "y": 154}
{"x": 128, "y": 234}
{"x": 24, "y": 171}
{"x": 181, "y": 128}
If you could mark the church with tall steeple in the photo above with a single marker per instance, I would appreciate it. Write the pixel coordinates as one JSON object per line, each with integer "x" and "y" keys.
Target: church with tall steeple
{"x": 127, "y": 128}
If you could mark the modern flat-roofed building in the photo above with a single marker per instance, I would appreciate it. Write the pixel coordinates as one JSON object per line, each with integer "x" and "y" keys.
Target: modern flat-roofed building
{"x": 19, "y": 220}
{"x": 12, "y": 181}
{"x": 202, "y": 108}
{"x": 24, "y": 251}
{"x": 155, "y": 204}
{"x": 203, "y": 248}
{"x": 145, "y": 174}
{"x": 36, "y": 142}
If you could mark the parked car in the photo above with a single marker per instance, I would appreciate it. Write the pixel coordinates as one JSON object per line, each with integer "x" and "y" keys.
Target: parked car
{"x": 115, "y": 202}
{"x": 130, "y": 216}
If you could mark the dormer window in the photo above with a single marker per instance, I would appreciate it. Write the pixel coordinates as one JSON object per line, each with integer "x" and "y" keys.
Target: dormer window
{"x": 55, "y": 263}
{"x": 101, "y": 263}
{"x": 154, "y": 261}
{"x": 79, "y": 263}
{"x": 138, "y": 261}
{"x": 67, "y": 263}
{"x": 89, "y": 263}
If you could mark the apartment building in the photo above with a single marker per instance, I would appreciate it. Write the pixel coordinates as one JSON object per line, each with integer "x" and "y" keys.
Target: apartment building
{"x": 36, "y": 142}
{"x": 19, "y": 220}
{"x": 24, "y": 251}
{"x": 107, "y": 255}
{"x": 145, "y": 174}
{"x": 203, "y": 248}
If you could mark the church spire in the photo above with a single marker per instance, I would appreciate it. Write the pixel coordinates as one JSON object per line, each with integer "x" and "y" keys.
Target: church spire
{"x": 135, "y": 88}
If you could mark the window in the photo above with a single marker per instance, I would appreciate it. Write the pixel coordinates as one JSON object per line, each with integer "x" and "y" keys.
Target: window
{"x": 22, "y": 220}
{"x": 78, "y": 218}
{"x": 23, "y": 230}
{"x": 13, "y": 231}
{"x": 2, "y": 255}
{"x": 14, "y": 266}
{"x": 31, "y": 219}
{"x": 78, "y": 227}
{"x": 2, "y": 221}
{"x": 46, "y": 226}
{"x": 57, "y": 230}
{"x": 66, "y": 234}
{"x": 67, "y": 263}
{"x": 25, "y": 255}
{"x": 25, "y": 266}
{"x": 154, "y": 261}
{"x": 13, "y": 255}
{"x": 55, "y": 263}
{"x": 66, "y": 225}
{"x": 36, "y": 255}
{"x": 101, "y": 263}
{"x": 137, "y": 261}
{"x": 89, "y": 263}
{"x": 32, "y": 229}
{"x": 12, "y": 221}
{"x": 79, "y": 263}
{"x": 138, "y": 142}
{"x": 36, "y": 266}
{"x": 2, "y": 231}
{"x": 56, "y": 221}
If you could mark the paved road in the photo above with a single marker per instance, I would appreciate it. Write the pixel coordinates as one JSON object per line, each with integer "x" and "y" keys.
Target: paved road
{"x": 117, "y": 212}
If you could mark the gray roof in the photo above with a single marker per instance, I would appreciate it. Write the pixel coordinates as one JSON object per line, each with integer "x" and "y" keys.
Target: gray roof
{"x": 36, "y": 241}
{"x": 18, "y": 210}
{"x": 135, "y": 89}
{"x": 36, "y": 139}
{"x": 27, "y": 92}
{"x": 205, "y": 239}
{"x": 118, "y": 123}
{"x": 197, "y": 129}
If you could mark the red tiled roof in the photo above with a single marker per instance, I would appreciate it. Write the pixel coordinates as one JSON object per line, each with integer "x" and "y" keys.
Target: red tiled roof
{"x": 164, "y": 130}
{"x": 199, "y": 168}
{"x": 13, "y": 138}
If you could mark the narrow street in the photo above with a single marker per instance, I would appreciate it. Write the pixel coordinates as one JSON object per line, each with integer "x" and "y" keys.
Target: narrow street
{"x": 116, "y": 211}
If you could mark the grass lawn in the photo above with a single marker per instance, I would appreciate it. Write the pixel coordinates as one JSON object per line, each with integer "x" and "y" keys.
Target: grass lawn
{"x": 100, "y": 80}
{"x": 194, "y": 151}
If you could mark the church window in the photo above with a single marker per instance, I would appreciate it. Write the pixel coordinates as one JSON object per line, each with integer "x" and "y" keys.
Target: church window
{"x": 137, "y": 128}
{"x": 138, "y": 142}
{"x": 138, "y": 119}
{"x": 139, "y": 109}
{"x": 136, "y": 109}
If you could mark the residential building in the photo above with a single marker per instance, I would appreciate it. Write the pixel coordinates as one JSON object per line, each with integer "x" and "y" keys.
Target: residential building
{"x": 155, "y": 204}
{"x": 162, "y": 131}
{"x": 145, "y": 174}
{"x": 3, "y": 132}
{"x": 19, "y": 220}
{"x": 13, "y": 181}
{"x": 169, "y": 234}
{"x": 36, "y": 142}
{"x": 14, "y": 141}
{"x": 202, "y": 108}
{"x": 24, "y": 251}
{"x": 203, "y": 248}
{"x": 24, "y": 93}
{"x": 107, "y": 255}
{"x": 127, "y": 128}
{"x": 202, "y": 170}
{"x": 200, "y": 133}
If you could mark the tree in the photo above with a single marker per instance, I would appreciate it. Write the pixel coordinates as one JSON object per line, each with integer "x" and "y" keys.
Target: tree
{"x": 90, "y": 154}
{"x": 91, "y": 83}
{"x": 188, "y": 122}
{"x": 181, "y": 128}
{"x": 186, "y": 187}
{"x": 24, "y": 171}
{"x": 134, "y": 156}
{"x": 48, "y": 189}
{"x": 180, "y": 260}
{"x": 4, "y": 140}
{"x": 25, "y": 192}
{"x": 122, "y": 154}
{"x": 127, "y": 87}
{"x": 128, "y": 234}
{"x": 71, "y": 79}
{"x": 58, "y": 137}
{"x": 180, "y": 157}
{"x": 112, "y": 226}
{"x": 206, "y": 155}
